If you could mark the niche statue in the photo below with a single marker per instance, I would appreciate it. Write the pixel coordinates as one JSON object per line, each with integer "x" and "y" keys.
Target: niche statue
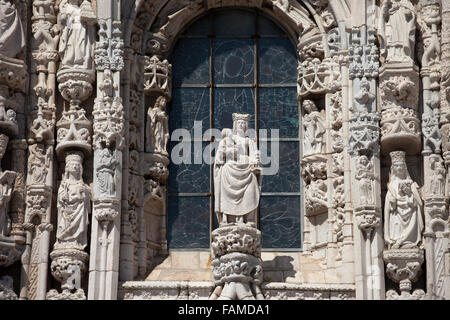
{"x": 74, "y": 198}
{"x": 237, "y": 175}
{"x": 403, "y": 223}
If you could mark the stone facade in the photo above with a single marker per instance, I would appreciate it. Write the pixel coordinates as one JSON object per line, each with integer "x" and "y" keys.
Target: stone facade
{"x": 84, "y": 155}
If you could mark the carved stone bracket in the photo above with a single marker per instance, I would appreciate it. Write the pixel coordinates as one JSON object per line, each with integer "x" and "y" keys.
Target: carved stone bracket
{"x": 314, "y": 167}
{"x": 237, "y": 266}
{"x": 403, "y": 266}
{"x": 400, "y": 128}
{"x": 68, "y": 266}
{"x": 236, "y": 239}
{"x": 316, "y": 199}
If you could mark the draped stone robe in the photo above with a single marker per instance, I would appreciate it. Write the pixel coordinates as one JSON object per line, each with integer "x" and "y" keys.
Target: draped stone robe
{"x": 236, "y": 186}
{"x": 403, "y": 215}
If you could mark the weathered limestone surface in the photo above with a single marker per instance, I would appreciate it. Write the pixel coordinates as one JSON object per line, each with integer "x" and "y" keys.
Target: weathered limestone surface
{"x": 84, "y": 140}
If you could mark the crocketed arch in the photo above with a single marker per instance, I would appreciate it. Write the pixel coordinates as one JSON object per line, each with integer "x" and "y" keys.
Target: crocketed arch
{"x": 144, "y": 19}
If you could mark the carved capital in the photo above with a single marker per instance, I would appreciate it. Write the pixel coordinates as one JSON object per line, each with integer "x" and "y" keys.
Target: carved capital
{"x": 403, "y": 266}
{"x": 236, "y": 238}
{"x": 75, "y": 85}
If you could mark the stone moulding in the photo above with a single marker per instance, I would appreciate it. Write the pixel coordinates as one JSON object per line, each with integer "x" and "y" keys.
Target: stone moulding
{"x": 146, "y": 290}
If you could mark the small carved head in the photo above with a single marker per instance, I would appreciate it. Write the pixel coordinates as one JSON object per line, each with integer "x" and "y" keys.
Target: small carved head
{"x": 398, "y": 164}
{"x": 405, "y": 188}
{"x": 309, "y": 106}
{"x": 161, "y": 102}
{"x": 363, "y": 161}
{"x": 240, "y": 122}
{"x": 74, "y": 165}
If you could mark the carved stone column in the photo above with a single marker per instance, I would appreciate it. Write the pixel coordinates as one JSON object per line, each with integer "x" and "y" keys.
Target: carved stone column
{"x": 150, "y": 207}
{"x": 400, "y": 135}
{"x": 75, "y": 78}
{"x": 445, "y": 130}
{"x": 41, "y": 124}
{"x": 13, "y": 86}
{"x": 13, "y": 79}
{"x": 74, "y": 204}
{"x": 364, "y": 149}
{"x": 108, "y": 144}
{"x": 435, "y": 202}
{"x": 237, "y": 264}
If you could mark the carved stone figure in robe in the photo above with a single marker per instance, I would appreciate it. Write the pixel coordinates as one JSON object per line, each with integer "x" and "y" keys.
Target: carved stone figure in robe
{"x": 314, "y": 129}
{"x": 437, "y": 177}
{"x": 237, "y": 175}
{"x": 106, "y": 172}
{"x": 365, "y": 176}
{"x": 74, "y": 199}
{"x": 38, "y": 163}
{"x": 398, "y": 23}
{"x": 403, "y": 221}
{"x": 12, "y": 34}
{"x": 158, "y": 127}
{"x": 7, "y": 179}
{"x": 77, "y": 38}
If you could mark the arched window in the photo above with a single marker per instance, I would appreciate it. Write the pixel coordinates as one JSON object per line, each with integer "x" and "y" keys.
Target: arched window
{"x": 234, "y": 61}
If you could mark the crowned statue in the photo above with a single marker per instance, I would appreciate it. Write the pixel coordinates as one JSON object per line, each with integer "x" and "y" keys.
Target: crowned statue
{"x": 237, "y": 175}
{"x": 74, "y": 198}
{"x": 403, "y": 223}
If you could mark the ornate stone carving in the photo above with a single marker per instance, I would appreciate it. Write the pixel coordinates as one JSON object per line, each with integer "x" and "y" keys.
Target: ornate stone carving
{"x": 6, "y": 187}
{"x": 12, "y": 33}
{"x": 237, "y": 159}
{"x": 158, "y": 75}
{"x": 316, "y": 199}
{"x": 403, "y": 207}
{"x": 364, "y": 134}
{"x": 398, "y": 27}
{"x": 6, "y": 288}
{"x": 338, "y": 197}
{"x": 366, "y": 178}
{"x": 237, "y": 277}
{"x": 363, "y": 56}
{"x": 399, "y": 91}
{"x": 108, "y": 117}
{"x": 313, "y": 128}
{"x": 106, "y": 172}
{"x": 236, "y": 239}
{"x": 400, "y": 126}
{"x": 109, "y": 49}
{"x": 314, "y": 167}
{"x": 74, "y": 202}
{"x": 157, "y": 134}
{"x": 77, "y": 21}
{"x": 403, "y": 267}
{"x": 237, "y": 267}
{"x": 432, "y": 137}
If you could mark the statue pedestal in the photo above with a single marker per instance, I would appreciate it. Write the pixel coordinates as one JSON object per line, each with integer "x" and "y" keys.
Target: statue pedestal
{"x": 403, "y": 266}
{"x": 68, "y": 266}
{"x": 237, "y": 266}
